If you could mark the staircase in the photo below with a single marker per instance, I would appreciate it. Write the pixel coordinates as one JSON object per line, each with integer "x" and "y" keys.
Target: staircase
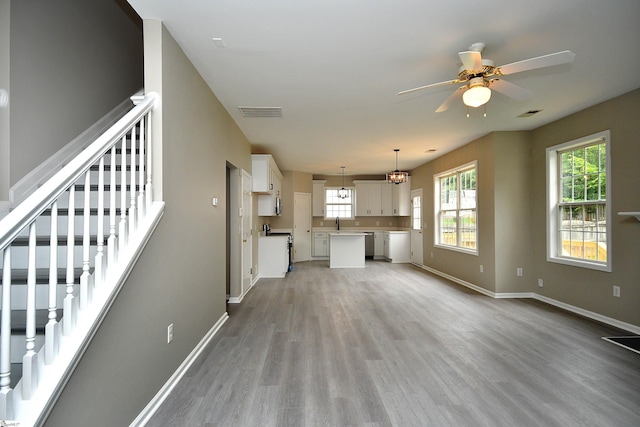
{"x": 65, "y": 252}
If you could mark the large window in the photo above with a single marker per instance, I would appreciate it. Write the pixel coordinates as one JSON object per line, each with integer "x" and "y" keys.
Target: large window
{"x": 579, "y": 233}
{"x": 456, "y": 209}
{"x": 336, "y": 206}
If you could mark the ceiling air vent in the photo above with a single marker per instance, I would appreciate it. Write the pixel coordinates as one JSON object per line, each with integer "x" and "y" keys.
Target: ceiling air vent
{"x": 529, "y": 113}
{"x": 267, "y": 112}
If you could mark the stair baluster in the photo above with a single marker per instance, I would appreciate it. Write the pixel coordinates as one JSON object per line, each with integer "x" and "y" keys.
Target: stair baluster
{"x": 98, "y": 274}
{"x": 149, "y": 187}
{"x": 85, "y": 277}
{"x": 70, "y": 302}
{"x": 6, "y": 393}
{"x": 30, "y": 358}
{"x": 132, "y": 203}
{"x": 111, "y": 240}
{"x": 122, "y": 235}
{"x": 52, "y": 328}
{"x": 141, "y": 198}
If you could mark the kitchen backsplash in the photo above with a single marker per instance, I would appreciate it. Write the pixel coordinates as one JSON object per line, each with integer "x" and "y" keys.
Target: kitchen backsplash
{"x": 364, "y": 222}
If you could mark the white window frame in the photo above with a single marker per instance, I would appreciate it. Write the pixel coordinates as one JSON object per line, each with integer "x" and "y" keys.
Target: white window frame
{"x": 554, "y": 196}
{"x": 416, "y": 212}
{"x": 352, "y": 205}
{"x": 437, "y": 201}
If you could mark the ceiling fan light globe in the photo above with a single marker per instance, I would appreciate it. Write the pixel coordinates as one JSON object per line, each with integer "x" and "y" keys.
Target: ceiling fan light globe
{"x": 476, "y": 96}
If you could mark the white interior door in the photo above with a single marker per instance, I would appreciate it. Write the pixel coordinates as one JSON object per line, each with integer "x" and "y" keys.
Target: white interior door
{"x": 301, "y": 227}
{"x": 246, "y": 227}
{"x": 416, "y": 226}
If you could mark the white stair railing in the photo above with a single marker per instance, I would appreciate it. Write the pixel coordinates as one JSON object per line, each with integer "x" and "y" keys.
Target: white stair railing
{"x": 90, "y": 278}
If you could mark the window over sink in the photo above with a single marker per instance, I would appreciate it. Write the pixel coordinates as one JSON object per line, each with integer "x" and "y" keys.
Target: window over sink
{"x": 336, "y": 206}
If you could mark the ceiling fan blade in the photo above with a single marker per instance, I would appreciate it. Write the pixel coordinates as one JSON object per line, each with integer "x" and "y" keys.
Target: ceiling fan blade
{"x": 564, "y": 57}
{"x": 471, "y": 60}
{"x": 509, "y": 89}
{"x": 415, "y": 89}
{"x": 451, "y": 99}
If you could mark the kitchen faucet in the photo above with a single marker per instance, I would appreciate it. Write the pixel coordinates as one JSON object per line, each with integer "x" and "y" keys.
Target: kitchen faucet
{"x": 338, "y": 222}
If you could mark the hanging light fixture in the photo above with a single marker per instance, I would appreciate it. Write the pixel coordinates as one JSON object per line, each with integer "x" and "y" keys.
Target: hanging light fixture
{"x": 343, "y": 193}
{"x": 478, "y": 93}
{"x": 397, "y": 177}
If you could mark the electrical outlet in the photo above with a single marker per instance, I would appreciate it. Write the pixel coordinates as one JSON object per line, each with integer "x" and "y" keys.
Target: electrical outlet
{"x": 540, "y": 282}
{"x": 616, "y": 291}
{"x": 377, "y": 223}
{"x": 481, "y": 268}
{"x": 321, "y": 223}
{"x": 431, "y": 254}
{"x": 519, "y": 271}
{"x": 357, "y": 223}
{"x": 169, "y": 333}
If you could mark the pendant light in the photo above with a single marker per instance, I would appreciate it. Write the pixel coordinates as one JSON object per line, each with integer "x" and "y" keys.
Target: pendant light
{"x": 397, "y": 177}
{"x": 343, "y": 193}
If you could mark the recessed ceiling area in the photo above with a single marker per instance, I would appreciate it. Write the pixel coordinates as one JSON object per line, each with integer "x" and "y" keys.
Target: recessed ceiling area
{"x": 334, "y": 69}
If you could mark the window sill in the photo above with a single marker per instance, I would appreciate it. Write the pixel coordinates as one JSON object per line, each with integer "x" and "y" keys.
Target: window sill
{"x": 582, "y": 264}
{"x": 457, "y": 249}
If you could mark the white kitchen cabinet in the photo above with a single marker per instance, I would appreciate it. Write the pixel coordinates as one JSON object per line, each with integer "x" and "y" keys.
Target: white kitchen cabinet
{"x": 318, "y": 198}
{"x": 378, "y": 244}
{"x": 397, "y": 246}
{"x": 320, "y": 244}
{"x": 273, "y": 256}
{"x": 368, "y": 198}
{"x": 267, "y": 183}
{"x": 386, "y": 199}
{"x": 265, "y": 173}
{"x": 401, "y": 196}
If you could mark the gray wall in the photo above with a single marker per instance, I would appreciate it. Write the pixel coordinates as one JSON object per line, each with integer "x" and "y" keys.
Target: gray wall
{"x": 5, "y": 7}
{"x": 590, "y": 289}
{"x": 512, "y": 210}
{"x": 512, "y": 213}
{"x": 180, "y": 277}
{"x": 72, "y": 61}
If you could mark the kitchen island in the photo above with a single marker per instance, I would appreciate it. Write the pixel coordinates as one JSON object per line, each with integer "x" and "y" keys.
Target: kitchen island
{"x": 346, "y": 249}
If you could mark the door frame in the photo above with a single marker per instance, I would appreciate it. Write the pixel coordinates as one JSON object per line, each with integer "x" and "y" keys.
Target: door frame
{"x": 238, "y": 179}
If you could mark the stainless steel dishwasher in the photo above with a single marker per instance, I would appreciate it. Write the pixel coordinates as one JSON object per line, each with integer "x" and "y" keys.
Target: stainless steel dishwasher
{"x": 369, "y": 245}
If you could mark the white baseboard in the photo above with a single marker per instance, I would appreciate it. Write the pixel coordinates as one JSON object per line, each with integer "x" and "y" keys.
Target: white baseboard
{"x": 238, "y": 300}
{"x": 590, "y": 314}
{"x": 469, "y": 285}
{"x": 166, "y": 389}
{"x": 568, "y": 307}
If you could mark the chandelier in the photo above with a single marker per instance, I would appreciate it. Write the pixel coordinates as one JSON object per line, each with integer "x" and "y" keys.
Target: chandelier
{"x": 343, "y": 193}
{"x": 397, "y": 177}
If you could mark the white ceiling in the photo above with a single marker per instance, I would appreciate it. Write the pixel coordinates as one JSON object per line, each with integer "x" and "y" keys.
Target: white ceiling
{"x": 335, "y": 66}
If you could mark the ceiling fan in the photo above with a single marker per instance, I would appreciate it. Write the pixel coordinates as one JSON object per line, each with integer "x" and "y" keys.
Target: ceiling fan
{"x": 480, "y": 75}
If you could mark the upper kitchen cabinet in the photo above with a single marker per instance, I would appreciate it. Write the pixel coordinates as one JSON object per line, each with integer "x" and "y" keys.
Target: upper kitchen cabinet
{"x": 318, "y": 197}
{"x": 401, "y": 198}
{"x": 266, "y": 175}
{"x": 267, "y": 183}
{"x": 368, "y": 198}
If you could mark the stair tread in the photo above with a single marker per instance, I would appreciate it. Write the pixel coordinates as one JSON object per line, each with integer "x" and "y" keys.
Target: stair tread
{"x": 62, "y": 240}
{"x": 19, "y": 320}
{"x": 19, "y": 276}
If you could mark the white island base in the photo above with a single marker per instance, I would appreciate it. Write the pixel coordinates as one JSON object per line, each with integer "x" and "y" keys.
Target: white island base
{"x": 346, "y": 250}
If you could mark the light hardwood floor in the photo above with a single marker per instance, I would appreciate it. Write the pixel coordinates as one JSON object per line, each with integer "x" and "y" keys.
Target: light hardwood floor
{"x": 392, "y": 345}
